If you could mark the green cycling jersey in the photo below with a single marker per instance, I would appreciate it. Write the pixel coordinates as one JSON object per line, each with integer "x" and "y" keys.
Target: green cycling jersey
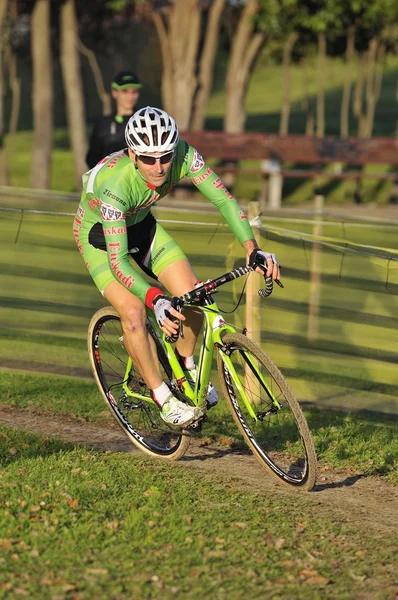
{"x": 116, "y": 196}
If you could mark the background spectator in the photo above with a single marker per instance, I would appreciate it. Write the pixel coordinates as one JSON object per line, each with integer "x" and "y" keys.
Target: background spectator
{"x": 108, "y": 132}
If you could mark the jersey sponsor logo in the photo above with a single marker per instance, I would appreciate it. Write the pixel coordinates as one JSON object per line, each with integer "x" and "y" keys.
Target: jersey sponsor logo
{"x": 127, "y": 280}
{"x": 242, "y": 215}
{"x": 220, "y": 186}
{"x": 94, "y": 172}
{"x": 115, "y": 230}
{"x": 166, "y": 191}
{"x": 115, "y": 160}
{"x": 154, "y": 198}
{"x": 76, "y": 229}
{"x": 114, "y": 249}
{"x": 197, "y": 163}
{"x": 155, "y": 258}
{"x": 110, "y": 213}
{"x": 80, "y": 211}
{"x": 201, "y": 178}
{"x": 77, "y": 224}
{"x": 93, "y": 203}
{"x": 114, "y": 197}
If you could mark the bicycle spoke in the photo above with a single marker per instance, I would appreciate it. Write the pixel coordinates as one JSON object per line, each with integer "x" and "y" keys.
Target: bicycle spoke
{"x": 140, "y": 418}
{"x": 267, "y": 413}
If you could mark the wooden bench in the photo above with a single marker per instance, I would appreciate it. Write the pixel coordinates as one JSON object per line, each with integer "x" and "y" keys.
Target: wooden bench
{"x": 276, "y": 152}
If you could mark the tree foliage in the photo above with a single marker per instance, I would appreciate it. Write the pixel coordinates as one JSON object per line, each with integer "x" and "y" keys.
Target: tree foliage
{"x": 191, "y": 34}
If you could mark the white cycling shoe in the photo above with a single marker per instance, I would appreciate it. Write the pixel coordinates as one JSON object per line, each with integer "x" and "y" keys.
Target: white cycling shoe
{"x": 174, "y": 412}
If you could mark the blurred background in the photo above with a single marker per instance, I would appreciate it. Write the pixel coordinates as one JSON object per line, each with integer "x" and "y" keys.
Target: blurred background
{"x": 293, "y": 102}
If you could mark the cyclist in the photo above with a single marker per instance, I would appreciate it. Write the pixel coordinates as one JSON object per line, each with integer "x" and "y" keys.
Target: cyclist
{"x": 108, "y": 131}
{"x": 114, "y": 222}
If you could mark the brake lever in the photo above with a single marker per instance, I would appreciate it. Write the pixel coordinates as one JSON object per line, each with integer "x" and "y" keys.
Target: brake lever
{"x": 177, "y": 305}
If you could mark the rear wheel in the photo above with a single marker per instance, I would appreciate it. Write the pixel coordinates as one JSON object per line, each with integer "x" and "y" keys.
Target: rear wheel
{"x": 278, "y": 434}
{"x": 138, "y": 417}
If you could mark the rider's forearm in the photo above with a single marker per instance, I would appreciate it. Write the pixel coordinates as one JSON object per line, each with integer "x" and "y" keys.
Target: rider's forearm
{"x": 249, "y": 246}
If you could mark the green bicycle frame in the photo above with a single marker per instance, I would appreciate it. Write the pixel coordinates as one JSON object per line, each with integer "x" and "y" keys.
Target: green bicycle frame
{"x": 214, "y": 330}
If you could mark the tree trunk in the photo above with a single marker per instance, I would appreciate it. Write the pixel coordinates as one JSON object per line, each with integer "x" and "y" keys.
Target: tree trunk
{"x": 358, "y": 94}
{"x": 393, "y": 198}
{"x": 373, "y": 83}
{"x": 205, "y": 79}
{"x": 15, "y": 85}
{"x": 167, "y": 74}
{"x": 70, "y": 64}
{"x": 306, "y": 102}
{"x": 345, "y": 102}
{"x": 3, "y": 167}
{"x": 245, "y": 50}
{"x": 99, "y": 81}
{"x": 320, "y": 107}
{"x": 179, "y": 36}
{"x": 185, "y": 26}
{"x": 287, "y": 53}
{"x": 42, "y": 95}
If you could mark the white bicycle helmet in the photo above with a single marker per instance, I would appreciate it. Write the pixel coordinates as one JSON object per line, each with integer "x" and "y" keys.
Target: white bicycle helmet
{"x": 151, "y": 130}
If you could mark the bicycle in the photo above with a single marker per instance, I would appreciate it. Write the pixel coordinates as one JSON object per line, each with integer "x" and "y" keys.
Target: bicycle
{"x": 263, "y": 405}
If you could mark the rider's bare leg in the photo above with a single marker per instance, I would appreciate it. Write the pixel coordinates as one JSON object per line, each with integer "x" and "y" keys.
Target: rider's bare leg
{"x": 179, "y": 278}
{"x": 136, "y": 340}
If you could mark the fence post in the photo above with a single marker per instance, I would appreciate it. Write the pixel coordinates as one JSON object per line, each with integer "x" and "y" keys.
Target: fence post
{"x": 315, "y": 275}
{"x": 263, "y": 193}
{"x": 253, "y": 309}
{"x": 275, "y": 184}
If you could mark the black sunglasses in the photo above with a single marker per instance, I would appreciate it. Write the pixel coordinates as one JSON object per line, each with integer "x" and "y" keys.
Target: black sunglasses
{"x": 151, "y": 160}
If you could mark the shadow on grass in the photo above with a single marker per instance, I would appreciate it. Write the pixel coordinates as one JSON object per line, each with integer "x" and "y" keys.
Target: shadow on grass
{"x": 269, "y": 122}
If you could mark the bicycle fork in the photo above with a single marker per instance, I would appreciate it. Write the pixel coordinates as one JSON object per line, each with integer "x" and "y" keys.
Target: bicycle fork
{"x": 248, "y": 394}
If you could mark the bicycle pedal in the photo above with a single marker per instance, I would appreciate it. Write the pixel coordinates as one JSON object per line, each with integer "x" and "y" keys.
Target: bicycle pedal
{"x": 196, "y": 427}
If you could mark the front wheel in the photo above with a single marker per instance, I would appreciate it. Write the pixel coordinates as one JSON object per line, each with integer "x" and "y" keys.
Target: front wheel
{"x": 125, "y": 391}
{"x": 266, "y": 412}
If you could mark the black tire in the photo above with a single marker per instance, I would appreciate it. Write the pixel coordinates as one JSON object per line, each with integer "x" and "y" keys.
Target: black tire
{"x": 140, "y": 420}
{"x": 280, "y": 439}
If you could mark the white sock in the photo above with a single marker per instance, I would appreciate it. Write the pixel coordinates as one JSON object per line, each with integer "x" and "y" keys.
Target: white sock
{"x": 161, "y": 394}
{"x": 189, "y": 363}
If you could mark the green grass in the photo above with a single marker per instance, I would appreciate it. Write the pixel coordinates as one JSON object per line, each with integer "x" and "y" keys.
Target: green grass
{"x": 265, "y": 95}
{"x": 359, "y": 441}
{"x": 47, "y": 299}
{"x": 81, "y": 524}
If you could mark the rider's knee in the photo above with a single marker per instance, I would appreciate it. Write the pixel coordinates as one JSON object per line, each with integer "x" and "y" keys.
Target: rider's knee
{"x": 133, "y": 319}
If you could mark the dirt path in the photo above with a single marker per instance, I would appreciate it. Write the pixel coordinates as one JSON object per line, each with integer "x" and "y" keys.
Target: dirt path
{"x": 367, "y": 502}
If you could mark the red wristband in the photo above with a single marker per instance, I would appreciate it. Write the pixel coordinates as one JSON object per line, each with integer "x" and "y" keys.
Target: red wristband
{"x": 151, "y": 295}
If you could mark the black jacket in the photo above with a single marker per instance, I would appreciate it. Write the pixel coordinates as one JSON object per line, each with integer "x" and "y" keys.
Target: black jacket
{"x": 107, "y": 137}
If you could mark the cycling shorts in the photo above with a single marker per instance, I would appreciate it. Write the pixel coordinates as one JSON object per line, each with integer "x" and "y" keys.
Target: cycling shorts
{"x": 151, "y": 247}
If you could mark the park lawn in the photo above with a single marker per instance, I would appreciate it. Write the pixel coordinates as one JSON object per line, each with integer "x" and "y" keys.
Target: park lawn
{"x": 47, "y": 299}
{"x": 265, "y": 97}
{"x": 77, "y": 523}
{"x": 343, "y": 440}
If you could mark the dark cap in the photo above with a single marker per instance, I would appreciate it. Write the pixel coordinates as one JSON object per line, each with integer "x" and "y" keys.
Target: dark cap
{"x": 124, "y": 80}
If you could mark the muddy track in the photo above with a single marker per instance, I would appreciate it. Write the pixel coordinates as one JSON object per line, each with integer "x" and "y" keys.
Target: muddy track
{"x": 365, "y": 502}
